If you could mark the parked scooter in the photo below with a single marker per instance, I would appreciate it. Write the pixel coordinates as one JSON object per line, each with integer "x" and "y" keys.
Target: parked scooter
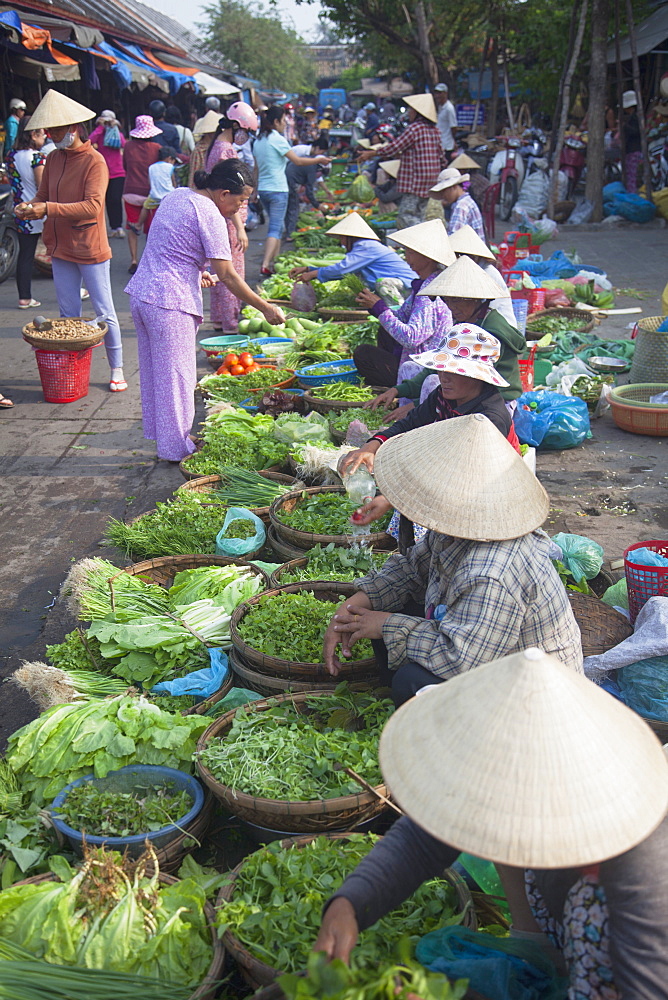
{"x": 658, "y": 162}
{"x": 9, "y": 239}
{"x": 508, "y": 168}
{"x": 572, "y": 162}
{"x": 533, "y": 149}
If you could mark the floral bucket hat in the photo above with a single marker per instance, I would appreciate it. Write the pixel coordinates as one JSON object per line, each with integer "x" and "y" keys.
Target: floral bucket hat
{"x": 470, "y": 351}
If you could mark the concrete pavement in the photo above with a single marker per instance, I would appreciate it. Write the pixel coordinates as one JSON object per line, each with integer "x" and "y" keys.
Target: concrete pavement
{"x": 67, "y": 468}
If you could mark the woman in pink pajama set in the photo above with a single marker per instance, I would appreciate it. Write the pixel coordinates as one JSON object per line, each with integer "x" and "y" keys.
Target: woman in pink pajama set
{"x": 166, "y": 299}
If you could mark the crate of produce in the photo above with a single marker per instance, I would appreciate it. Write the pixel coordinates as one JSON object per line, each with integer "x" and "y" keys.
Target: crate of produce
{"x": 295, "y": 652}
{"x": 237, "y": 761}
{"x": 324, "y": 511}
{"x": 644, "y": 581}
{"x": 327, "y": 372}
{"x": 633, "y": 412}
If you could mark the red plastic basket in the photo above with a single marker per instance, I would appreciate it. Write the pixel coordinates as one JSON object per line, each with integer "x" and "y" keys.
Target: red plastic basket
{"x": 534, "y": 296}
{"x": 642, "y": 581}
{"x": 64, "y": 374}
{"x": 527, "y": 370}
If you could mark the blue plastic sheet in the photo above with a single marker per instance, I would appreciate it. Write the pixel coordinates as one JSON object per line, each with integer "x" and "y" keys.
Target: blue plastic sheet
{"x": 647, "y": 557}
{"x": 499, "y": 968}
{"x": 618, "y": 201}
{"x": 556, "y": 422}
{"x": 200, "y": 683}
{"x": 644, "y": 687}
{"x": 556, "y": 266}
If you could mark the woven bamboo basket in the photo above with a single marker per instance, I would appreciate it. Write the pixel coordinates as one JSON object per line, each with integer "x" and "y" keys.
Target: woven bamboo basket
{"x": 583, "y": 321}
{"x": 71, "y": 344}
{"x": 314, "y": 816}
{"x": 344, "y": 315}
{"x": 283, "y": 549}
{"x": 274, "y": 992}
{"x": 650, "y": 359}
{"x": 187, "y": 474}
{"x": 326, "y": 406}
{"x": 211, "y": 982}
{"x": 600, "y": 625}
{"x": 204, "y": 484}
{"x": 170, "y": 857}
{"x": 164, "y": 569}
{"x": 278, "y": 667}
{"x": 258, "y": 974}
{"x": 299, "y": 563}
{"x": 213, "y": 699}
{"x": 307, "y": 539}
{"x": 633, "y": 412}
{"x": 267, "y": 685}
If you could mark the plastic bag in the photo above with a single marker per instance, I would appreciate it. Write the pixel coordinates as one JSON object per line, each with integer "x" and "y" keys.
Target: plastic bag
{"x": 361, "y": 189}
{"x": 392, "y": 291}
{"x": 533, "y": 196}
{"x": 499, "y": 968}
{"x": 240, "y": 546}
{"x": 556, "y": 421}
{"x": 644, "y": 687}
{"x": 200, "y": 683}
{"x": 617, "y": 596}
{"x": 581, "y": 213}
{"x": 581, "y": 556}
{"x": 292, "y": 428}
{"x": 563, "y": 375}
{"x": 647, "y": 557}
{"x": 629, "y": 206}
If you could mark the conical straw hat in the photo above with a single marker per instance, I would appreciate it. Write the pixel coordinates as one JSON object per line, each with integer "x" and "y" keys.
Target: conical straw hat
{"x": 364, "y": 143}
{"x": 424, "y": 105}
{"x": 464, "y": 280}
{"x": 462, "y": 478}
{"x": 208, "y": 123}
{"x": 353, "y": 225}
{"x": 466, "y": 240}
{"x": 55, "y": 110}
{"x": 464, "y": 162}
{"x": 527, "y": 763}
{"x": 391, "y": 167}
{"x": 428, "y": 238}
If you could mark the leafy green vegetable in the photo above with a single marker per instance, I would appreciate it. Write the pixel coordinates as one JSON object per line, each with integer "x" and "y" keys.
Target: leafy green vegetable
{"x": 240, "y": 528}
{"x": 234, "y": 388}
{"x": 344, "y": 295}
{"x": 236, "y": 439}
{"x": 279, "y": 894}
{"x": 325, "y": 514}
{"x": 334, "y": 562}
{"x": 69, "y": 741}
{"x": 292, "y": 627}
{"x": 373, "y": 419}
{"x": 106, "y": 813}
{"x": 344, "y": 391}
{"x": 186, "y": 525}
{"x": 280, "y": 753}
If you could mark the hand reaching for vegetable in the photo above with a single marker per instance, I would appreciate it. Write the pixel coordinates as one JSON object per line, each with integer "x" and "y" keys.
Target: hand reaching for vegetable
{"x": 274, "y": 314}
{"x": 303, "y": 274}
{"x": 400, "y": 412}
{"x": 338, "y": 930}
{"x": 353, "y": 622}
{"x": 385, "y": 399}
{"x": 333, "y": 636}
{"x": 362, "y": 456}
{"x": 371, "y": 511}
{"x": 367, "y": 298}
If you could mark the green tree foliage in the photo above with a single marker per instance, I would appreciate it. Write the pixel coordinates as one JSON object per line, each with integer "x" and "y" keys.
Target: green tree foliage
{"x": 253, "y": 38}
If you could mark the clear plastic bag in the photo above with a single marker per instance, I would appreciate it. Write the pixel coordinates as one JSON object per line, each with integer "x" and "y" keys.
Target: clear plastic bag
{"x": 240, "y": 546}
{"x": 581, "y": 556}
{"x": 554, "y": 423}
{"x": 644, "y": 687}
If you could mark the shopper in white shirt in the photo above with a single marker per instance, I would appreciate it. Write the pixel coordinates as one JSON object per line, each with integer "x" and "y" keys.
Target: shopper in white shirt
{"x": 447, "y": 117}
{"x": 161, "y": 177}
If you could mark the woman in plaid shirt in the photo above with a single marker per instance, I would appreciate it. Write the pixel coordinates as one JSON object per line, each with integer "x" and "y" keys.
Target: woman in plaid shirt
{"x": 422, "y": 157}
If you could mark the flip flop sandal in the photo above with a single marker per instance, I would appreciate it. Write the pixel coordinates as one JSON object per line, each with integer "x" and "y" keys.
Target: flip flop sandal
{"x": 115, "y": 386}
{"x": 5, "y": 404}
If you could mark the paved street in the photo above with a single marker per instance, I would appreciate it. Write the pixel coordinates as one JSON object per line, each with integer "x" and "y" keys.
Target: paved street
{"x": 67, "y": 468}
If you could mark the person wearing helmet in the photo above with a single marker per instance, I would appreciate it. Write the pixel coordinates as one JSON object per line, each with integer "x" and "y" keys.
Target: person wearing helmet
{"x": 307, "y": 126}
{"x": 17, "y": 109}
{"x": 168, "y": 135}
{"x": 225, "y": 306}
{"x": 372, "y": 121}
{"x": 212, "y": 104}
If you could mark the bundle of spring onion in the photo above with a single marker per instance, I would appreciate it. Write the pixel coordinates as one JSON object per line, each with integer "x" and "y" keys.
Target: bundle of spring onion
{"x": 243, "y": 488}
{"x": 112, "y": 915}
{"x": 186, "y": 525}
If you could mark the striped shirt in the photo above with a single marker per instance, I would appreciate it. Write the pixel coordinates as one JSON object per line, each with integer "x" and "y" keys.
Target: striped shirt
{"x": 422, "y": 158}
{"x": 495, "y": 598}
{"x": 465, "y": 212}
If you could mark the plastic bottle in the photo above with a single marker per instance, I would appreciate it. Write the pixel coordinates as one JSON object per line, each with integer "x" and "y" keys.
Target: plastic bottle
{"x": 360, "y": 487}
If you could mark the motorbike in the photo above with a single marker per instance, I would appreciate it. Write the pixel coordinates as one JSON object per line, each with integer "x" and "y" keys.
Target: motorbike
{"x": 572, "y": 161}
{"x": 658, "y": 162}
{"x": 533, "y": 150}
{"x": 9, "y": 237}
{"x": 508, "y": 168}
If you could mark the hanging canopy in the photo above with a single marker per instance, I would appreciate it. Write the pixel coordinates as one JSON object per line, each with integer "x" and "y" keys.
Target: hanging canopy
{"x": 651, "y": 33}
{"x": 211, "y": 86}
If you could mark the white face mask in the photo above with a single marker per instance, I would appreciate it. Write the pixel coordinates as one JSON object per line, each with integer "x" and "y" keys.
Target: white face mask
{"x": 66, "y": 141}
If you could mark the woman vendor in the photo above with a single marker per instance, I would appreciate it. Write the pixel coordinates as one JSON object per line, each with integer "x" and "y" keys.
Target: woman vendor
{"x": 466, "y": 243}
{"x": 559, "y": 784}
{"x": 482, "y": 572}
{"x": 365, "y": 255}
{"x": 189, "y": 228}
{"x": 468, "y": 383}
{"x": 468, "y": 293}
{"x": 411, "y": 327}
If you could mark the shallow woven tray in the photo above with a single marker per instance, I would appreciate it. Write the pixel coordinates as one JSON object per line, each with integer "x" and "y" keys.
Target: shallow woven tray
{"x": 584, "y": 322}
{"x": 211, "y": 982}
{"x": 307, "y": 539}
{"x": 326, "y": 406}
{"x": 164, "y": 569}
{"x": 258, "y": 974}
{"x": 204, "y": 484}
{"x": 315, "y": 816}
{"x": 278, "y": 667}
{"x": 633, "y": 412}
{"x": 297, "y": 563}
{"x": 73, "y": 344}
{"x": 270, "y": 686}
{"x": 283, "y": 549}
{"x": 344, "y": 315}
{"x": 600, "y": 625}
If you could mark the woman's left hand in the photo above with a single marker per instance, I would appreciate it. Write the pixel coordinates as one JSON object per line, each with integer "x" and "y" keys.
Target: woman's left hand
{"x": 242, "y": 237}
{"x": 353, "y": 623}
{"x": 367, "y": 298}
{"x": 31, "y": 210}
{"x": 208, "y": 280}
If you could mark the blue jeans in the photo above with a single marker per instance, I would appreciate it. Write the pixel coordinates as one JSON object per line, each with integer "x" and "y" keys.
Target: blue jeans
{"x": 68, "y": 278}
{"x": 275, "y": 203}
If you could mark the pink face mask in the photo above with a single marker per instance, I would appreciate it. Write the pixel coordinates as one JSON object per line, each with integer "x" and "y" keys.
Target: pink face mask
{"x": 240, "y": 136}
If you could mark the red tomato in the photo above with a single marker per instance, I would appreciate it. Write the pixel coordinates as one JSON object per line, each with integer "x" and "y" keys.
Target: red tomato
{"x": 237, "y": 370}
{"x": 231, "y": 359}
{"x": 246, "y": 359}
{"x": 223, "y": 370}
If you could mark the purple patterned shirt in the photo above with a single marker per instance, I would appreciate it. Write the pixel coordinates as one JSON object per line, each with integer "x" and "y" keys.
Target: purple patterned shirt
{"x": 187, "y": 231}
{"x": 418, "y": 325}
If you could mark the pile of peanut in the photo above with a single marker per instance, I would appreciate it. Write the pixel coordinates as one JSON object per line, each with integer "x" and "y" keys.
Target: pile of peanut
{"x": 63, "y": 329}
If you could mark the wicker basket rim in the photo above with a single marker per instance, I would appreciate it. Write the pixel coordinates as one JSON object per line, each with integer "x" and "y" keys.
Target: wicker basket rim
{"x": 313, "y": 537}
{"x": 619, "y": 395}
{"x": 292, "y": 806}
